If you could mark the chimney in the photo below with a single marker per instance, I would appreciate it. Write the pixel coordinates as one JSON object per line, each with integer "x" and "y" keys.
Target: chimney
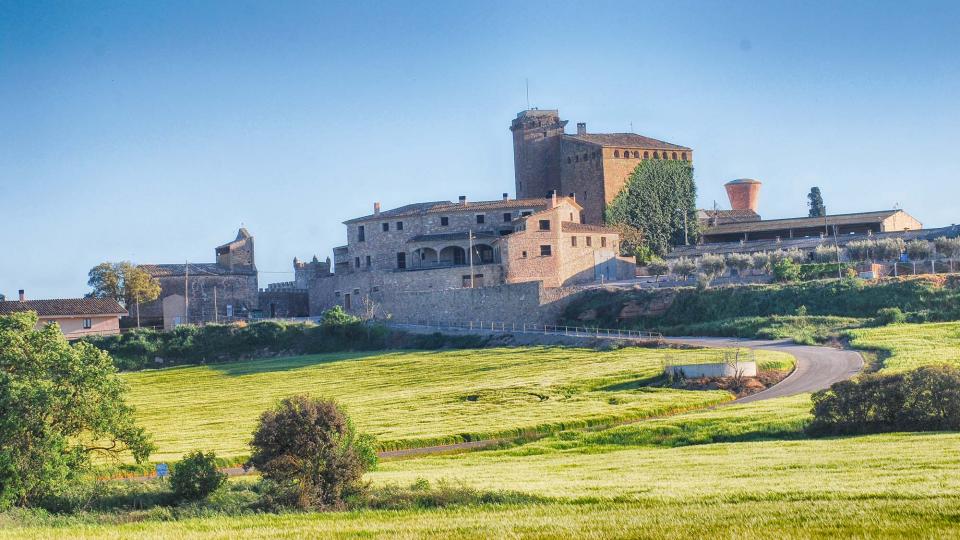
{"x": 23, "y": 297}
{"x": 506, "y": 196}
{"x": 376, "y": 208}
{"x": 573, "y": 196}
{"x": 553, "y": 199}
{"x": 581, "y": 128}
{"x": 463, "y": 200}
{"x": 744, "y": 194}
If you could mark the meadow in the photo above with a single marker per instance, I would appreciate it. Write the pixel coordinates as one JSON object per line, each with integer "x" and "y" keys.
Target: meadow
{"x": 908, "y": 346}
{"x": 410, "y": 399}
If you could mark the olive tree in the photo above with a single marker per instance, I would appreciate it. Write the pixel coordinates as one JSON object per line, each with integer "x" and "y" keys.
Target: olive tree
{"x": 658, "y": 267}
{"x": 740, "y": 261}
{"x": 683, "y": 267}
{"x": 713, "y": 265}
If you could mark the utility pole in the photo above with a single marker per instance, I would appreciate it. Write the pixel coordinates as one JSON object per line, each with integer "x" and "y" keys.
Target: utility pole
{"x": 470, "y": 244}
{"x": 186, "y": 292}
{"x": 836, "y": 246}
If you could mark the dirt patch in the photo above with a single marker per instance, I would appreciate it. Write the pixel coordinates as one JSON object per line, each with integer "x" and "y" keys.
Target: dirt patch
{"x": 744, "y": 386}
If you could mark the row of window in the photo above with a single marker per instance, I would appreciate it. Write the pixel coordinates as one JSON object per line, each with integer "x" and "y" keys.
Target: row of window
{"x": 481, "y": 219}
{"x": 589, "y": 240}
{"x": 635, "y": 154}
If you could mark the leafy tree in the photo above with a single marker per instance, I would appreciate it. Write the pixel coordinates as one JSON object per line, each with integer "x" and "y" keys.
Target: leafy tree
{"x": 948, "y": 247}
{"x": 60, "y": 403}
{"x": 712, "y": 265}
{"x": 684, "y": 267}
{"x": 659, "y": 199}
{"x": 740, "y": 261}
{"x": 310, "y": 449}
{"x": 815, "y": 202}
{"x": 825, "y": 254}
{"x": 125, "y": 283}
{"x": 918, "y": 249}
{"x": 658, "y": 267}
{"x": 760, "y": 261}
{"x": 786, "y": 270}
{"x": 196, "y": 476}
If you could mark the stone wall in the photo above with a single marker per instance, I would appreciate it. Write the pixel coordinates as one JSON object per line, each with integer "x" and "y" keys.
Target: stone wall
{"x": 238, "y": 291}
{"x": 582, "y": 174}
{"x": 284, "y": 304}
{"x": 537, "y": 139}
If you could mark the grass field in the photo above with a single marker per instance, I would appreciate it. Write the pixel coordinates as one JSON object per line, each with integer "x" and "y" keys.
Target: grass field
{"x": 908, "y": 346}
{"x": 411, "y": 399}
{"x": 621, "y": 483}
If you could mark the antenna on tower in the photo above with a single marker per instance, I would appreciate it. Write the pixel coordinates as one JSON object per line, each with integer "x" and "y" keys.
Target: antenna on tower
{"x": 527, "y": 82}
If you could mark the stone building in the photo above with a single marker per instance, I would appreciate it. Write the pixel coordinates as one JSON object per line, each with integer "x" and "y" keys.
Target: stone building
{"x": 592, "y": 166}
{"x": 441, "y": 245}
{"x": 194, "y": 293}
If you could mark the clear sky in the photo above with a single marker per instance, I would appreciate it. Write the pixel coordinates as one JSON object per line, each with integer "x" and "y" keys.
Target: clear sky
{"x": 149, "y": 131}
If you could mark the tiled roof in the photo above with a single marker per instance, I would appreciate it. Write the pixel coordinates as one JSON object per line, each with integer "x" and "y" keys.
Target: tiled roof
{"x": 721, "y": 217}
{"x": 65, "y": 307}
{"x": 570, "y": 226}
{"x": 442, "y": 207}
{"x": 631, "y": 140}
{"x": 799, "y": 223}
{"x": 198, "y": 269}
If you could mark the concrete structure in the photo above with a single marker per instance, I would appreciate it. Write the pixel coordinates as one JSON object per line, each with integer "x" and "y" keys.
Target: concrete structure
{"x": 221, "y": 291}
{"x": 846, "y": 224}
{"x": 77, "y": 317}
{"x": 441, "y": 246}
{"x": 592, "y": 166}
{"x": 744, "y": 194}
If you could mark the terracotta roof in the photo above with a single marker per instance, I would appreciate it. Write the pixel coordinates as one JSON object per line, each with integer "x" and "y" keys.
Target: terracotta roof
{"x": 570, "y": 226}
{"x": 800, "y": 223}
{"x": 65, "y": 307}
{"x": 198, "y": 269}
{"x": 721, "y": 217}
{"x": 631, "y": 140}
{"x": 442, "y": 207}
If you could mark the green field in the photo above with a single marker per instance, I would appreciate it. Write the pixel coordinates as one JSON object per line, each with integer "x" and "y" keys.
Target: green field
{"x": 409, "y": 399}
{"x": 908, "y": 346}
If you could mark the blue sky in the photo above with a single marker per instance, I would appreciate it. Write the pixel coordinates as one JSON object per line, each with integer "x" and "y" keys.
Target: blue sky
{"x": 150, "y": 131}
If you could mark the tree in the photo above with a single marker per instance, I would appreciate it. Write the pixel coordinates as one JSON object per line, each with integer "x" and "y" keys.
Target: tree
{"x": 658, "y": 267}
{"x": 683, "y": 268}
{"x": 60, "y": 403}
{"x": 125, "y": 283}
{"x": 196, "y": 476}
{"x": 786, "y": 270}
{"x": 337, "y": 316}
{"x": 740, "y": 261}
{"x": 815, "y": 202}
{"x": 310, "y": 449}
{"x": 713, "y": 265}
{"x": 659, "y": 200}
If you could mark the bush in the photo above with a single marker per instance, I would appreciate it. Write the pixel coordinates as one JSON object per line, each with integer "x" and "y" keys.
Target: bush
{"x": 947, "y": 247}
{"x": 658, "y": 267}
{"x": 918, "y": 250}
{"x": 891, "y": 315}
{"x": 683, "y": 268}
{"x": 785, "y": 270}
{"x": 760, "y": 261}
{"x": 310, "y": 450}
{"x": 825, "y": 254}
{"x": 712, "y": 265}
{"x": 740, "y": 261}
{"x": 196, "y": 476}
{"x": 926, "y": 399}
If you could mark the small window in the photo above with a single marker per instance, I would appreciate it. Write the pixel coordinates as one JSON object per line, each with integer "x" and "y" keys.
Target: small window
{"x": 526, "y": 213}
{"x": 444, "y": 221}
{"x": 544, "y": 251}
{"x": 375, "y": 289}
{"x": 616, "y": 153}
{"x": 636, "y": 154}
{"x": 655, "y": 156}
{"x": 523, "y": 255}
{"x": 356, "y": 291}
{"x": 386, "y": 227}
{"x": 603, "y": 241}
{"x": 683, "y": 156}
{"x": 336, "y": 294}
{"x": 481, "y": 219}
{"x": 399, "y": 225}
{"x": 544, "y": 224}
{"x": 646, "y": 155}
{"x": 401, "y": 260}
{"x": 368, "y": 261}
{"x": 361, "y": 233}
{"x": 573, "y": 241}
{"x": 87, "y": 324}
{"x": 589, "y": 241}
{"x": 507, "y": 217}
{"x": 356, "y": 261}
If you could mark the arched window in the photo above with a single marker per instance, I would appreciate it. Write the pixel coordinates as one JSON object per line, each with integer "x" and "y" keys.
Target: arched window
{"x": 636, "y": 154}
{"x": 683, "y": 156}
{"x": 674, "y": 155}
{"x": 616, "y": 153}
{"x": 646, "y": 155}
{"x": 655, "y": 155}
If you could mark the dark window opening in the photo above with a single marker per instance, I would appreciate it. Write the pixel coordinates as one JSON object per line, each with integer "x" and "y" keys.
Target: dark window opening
{"x": 507, "y": 217}
{"x": 525, "y": 213}
{"x": 544, "y": 224}
{"x": 361, "y": 233}
{"x": 589, "y": 241}
{"x": 87, "y": 324}
{"x": 386, "y": 227}
{"x": 674, "y": 155}
{"x": 646, "y": 155}
{"x": 616, "y": 153}
{"x": 481, "y": 219}
{"x": 683, "y": 156}
{"x": 573, "y": 241}
{"x": 399, "y": 225}
{"x": 544, "y": 251}
{"x": 523, "y": 255}
{"x": 368, "y": 261}
{"x": 603, "y": 241}
{"x": 401, "y": 260}
{"x": 356, "y": 261}
{"x": 444, "y": 221}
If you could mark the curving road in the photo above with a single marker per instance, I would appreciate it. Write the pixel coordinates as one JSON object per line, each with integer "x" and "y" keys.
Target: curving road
{"x": 816, "y": 367}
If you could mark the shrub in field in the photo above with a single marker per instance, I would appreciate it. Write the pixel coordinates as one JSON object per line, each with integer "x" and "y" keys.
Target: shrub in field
{"x": 891, "y": 315}
{"x": 311, "y": 450}
{"x": 196, "y": 476}
{"x": 786, "y": 270}
{"x": 925, "y": 399}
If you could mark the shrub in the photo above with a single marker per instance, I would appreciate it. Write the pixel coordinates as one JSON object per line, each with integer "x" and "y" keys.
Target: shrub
{"x": 310, "y": 450}
{"x": 947, "y": 247}
{"x": 712, "y": 265}
{"x": 786, "y": 270}
{"x": 703, "y": 281}
{"x": 918, "y": 250}
{"x": 825, "y": 254}
{"x": 658, "y": 267}
{"x": 926, "y": 399}
{"x": 683, "y": 268}
{"x": 196, "y": 476}
{"x": 891, "y": 315}
{"x": 336, "y": 316}
{"x": 740, "y": 261}
{"x": 760, "y": 261}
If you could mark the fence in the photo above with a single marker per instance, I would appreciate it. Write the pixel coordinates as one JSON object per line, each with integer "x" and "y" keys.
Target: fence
{"x": 532, "y": 328}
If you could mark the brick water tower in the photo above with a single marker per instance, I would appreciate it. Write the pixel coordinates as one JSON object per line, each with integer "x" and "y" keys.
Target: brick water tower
{"x": 744, "y": 194}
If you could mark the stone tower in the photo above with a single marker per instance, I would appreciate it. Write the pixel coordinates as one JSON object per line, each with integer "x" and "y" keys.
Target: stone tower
{"x": 537, "y": 137}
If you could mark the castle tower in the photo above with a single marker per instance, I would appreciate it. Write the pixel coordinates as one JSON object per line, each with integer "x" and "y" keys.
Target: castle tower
{"x": 537, "y": 137}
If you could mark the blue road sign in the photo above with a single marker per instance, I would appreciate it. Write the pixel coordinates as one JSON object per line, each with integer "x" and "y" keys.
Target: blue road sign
{"x": 162, "y": 470}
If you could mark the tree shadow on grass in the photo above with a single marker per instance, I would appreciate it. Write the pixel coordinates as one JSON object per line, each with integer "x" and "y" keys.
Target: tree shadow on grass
{"x": 290, "y": 363}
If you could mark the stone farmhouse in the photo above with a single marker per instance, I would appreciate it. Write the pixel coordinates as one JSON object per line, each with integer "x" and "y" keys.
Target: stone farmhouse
{"x": 592, "y": 166}
{"x": 77, "y": 317}
{"x": 430, "y": 247}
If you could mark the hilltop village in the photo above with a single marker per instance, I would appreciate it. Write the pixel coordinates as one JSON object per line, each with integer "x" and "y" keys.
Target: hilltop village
{"x": 515, "y": 259}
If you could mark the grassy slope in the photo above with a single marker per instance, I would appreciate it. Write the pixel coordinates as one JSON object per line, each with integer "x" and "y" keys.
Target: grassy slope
{"x": 893, "y": 485}
{"x": 413, "y": 398}
{"x": 908, "y": 346}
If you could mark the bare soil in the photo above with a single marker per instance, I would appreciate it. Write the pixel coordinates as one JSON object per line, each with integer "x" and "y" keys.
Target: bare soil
{"x": 745, "y": 386}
